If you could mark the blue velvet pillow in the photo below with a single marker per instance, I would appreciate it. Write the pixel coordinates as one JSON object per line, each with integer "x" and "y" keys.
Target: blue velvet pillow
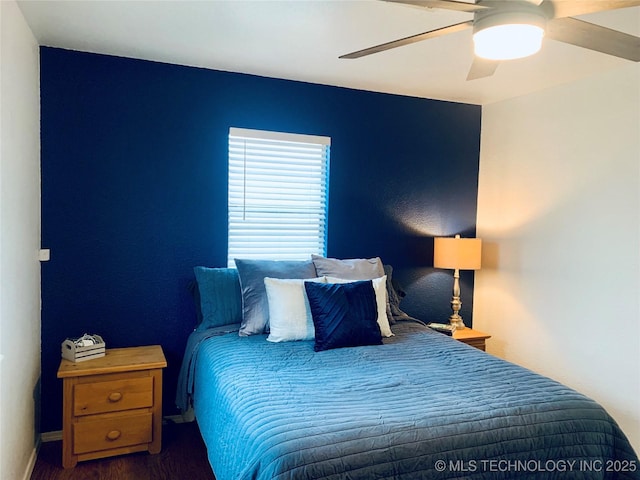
{"x": 255, "y": 305}
{"x": 220, "y": 296}
{"x": 344, "y": 314}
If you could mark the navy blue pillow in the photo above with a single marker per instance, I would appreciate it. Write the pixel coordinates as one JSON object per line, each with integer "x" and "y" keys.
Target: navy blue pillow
{"x": 344, "y": 314}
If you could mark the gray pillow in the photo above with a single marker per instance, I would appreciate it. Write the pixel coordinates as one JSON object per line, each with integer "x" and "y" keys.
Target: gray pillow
{"x": 255, "y": 306}
{"x": 349, "y": 269}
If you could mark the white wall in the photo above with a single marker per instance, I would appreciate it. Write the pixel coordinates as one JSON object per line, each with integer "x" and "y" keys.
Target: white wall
{"x": 19, "y": 240}
{"x": 559, "y": 212}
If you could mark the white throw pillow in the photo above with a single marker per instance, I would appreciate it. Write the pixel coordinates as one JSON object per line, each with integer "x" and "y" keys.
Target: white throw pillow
{"x": 380, "y": 287}
{"x": 289, "y": 312}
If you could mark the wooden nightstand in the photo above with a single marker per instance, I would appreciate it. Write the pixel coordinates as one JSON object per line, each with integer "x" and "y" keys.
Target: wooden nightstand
{"x": 471, "y": 337}
{"x": 112, "y": 405}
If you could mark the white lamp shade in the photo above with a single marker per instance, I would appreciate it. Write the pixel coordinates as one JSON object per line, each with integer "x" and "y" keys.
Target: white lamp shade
{"x": 457, "y": 253}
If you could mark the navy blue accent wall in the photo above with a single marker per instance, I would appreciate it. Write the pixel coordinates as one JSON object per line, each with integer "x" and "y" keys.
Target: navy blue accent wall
{"x": 134, "y": 192}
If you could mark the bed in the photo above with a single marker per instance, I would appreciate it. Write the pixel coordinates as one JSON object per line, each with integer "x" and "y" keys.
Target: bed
{"x": 419, "y": 405}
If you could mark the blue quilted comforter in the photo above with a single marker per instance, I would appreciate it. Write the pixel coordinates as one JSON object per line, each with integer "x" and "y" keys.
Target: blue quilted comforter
{"x": 420, "y": 406}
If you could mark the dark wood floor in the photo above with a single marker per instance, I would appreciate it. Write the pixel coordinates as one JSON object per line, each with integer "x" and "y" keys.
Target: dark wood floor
{"x": 183, "y": 456}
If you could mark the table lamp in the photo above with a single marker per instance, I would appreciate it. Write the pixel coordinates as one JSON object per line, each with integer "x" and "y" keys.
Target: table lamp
{"x": 457, "y": 254}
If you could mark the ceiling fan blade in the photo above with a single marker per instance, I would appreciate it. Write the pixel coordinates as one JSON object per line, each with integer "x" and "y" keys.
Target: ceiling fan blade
{"x": 594, "y": 37}
{"x": 481, "y": 68}
{"x": 458, "y": 27}
{"x": 571, "y": 8}
{"x": 444, "y": 4}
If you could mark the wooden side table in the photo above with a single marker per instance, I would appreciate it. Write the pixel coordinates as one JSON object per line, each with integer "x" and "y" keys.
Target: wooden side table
{"x": 112, "y": 405}
{"x": 472, "y": 337}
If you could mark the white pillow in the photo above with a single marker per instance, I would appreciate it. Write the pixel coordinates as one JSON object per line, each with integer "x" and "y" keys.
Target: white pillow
{"x": 289, "y": 312}
{"x": 380, "y": 287}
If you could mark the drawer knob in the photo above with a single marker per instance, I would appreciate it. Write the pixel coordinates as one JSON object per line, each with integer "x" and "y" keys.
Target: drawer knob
{"x": 115, "y": 397}
{"x": 114, "y": 434}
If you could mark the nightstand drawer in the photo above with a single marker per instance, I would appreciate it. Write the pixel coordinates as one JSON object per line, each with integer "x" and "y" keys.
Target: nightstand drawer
{"x": 110, "y": 433}
{"x": 472, "y": 337}
{"x": 112, "y": 396}
{"x": 479, "y": 344}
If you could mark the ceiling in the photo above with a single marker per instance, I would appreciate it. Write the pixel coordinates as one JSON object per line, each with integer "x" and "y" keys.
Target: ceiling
{"x": 301, "y": 40}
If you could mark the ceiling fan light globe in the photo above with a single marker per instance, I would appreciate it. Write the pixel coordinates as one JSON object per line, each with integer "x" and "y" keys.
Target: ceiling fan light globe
{"x": 508, "y": 42}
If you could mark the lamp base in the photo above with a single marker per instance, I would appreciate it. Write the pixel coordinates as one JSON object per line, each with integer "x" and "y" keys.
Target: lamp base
{"x": 456, "y": 304}
{"x": 456, "y": 320}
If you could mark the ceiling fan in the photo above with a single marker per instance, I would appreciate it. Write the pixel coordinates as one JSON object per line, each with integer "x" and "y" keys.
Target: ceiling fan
{"x": 508, "y": 29}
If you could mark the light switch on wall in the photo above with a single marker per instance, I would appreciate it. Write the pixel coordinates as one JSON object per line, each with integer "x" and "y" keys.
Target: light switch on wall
{"x": 44, "y": 255}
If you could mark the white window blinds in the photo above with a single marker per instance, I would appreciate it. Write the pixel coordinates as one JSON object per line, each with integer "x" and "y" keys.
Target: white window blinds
{"x": 278, "y": 184}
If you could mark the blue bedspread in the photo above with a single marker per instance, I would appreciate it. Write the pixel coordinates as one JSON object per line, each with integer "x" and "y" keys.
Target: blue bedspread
{"x": 420, "y": 406}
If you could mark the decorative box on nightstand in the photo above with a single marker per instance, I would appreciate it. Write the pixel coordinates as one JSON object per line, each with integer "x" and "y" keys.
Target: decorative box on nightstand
{"x": 472, "y": 337}
{"x": 113, "y": 404}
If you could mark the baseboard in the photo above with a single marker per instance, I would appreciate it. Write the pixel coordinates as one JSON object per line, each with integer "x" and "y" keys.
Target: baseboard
{"x": 51, "y": 436}
{"x": 32, "y": 463}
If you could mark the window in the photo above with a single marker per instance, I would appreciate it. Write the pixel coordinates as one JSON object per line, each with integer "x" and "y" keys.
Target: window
{"x": 278, "y": 188}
